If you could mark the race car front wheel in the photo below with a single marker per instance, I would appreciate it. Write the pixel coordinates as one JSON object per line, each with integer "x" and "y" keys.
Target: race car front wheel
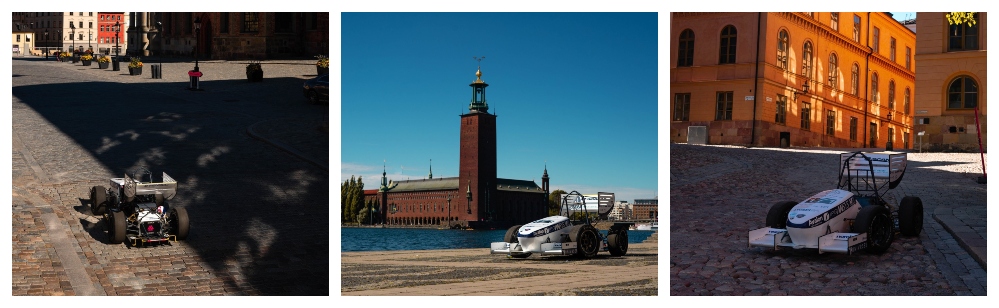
{"x": 179, "y": 224}
{"x": 876, "y": 222}
{"x": 511, "y": 234}
{"x": 777, "y": 216}
{"x": 98, "y": 200}
{"x": 617, "y": 243}
{"x": 116, "y": 227}
{"x": 587, "y": 240}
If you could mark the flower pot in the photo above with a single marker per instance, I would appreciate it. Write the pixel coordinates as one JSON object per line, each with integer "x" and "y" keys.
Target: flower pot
{"x": 255, "y": 76}
{"x": 322, "y": 70}
{"x": 135, "y": 71}
{"x": 102, "y": 65}
{"x": 86, "y": 62}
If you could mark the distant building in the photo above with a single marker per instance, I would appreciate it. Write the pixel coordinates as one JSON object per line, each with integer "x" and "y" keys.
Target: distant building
{"x": 952, "y": 83}
{"x": 232, "y": 35}
{"x": 838, "y": 79}
{"x": 478, "y": 199}
{"x": 64, "y": 31}
{"x": 621, "y": 211}
{"x": 645, "y": 209}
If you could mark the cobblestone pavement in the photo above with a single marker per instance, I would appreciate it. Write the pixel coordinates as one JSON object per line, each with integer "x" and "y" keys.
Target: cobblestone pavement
{"x": 713, "y": 206}
{"x": 476, "y": 272}
{"x": 259, "y": 218}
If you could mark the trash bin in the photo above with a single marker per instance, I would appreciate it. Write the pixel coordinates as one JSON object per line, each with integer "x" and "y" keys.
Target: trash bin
{"x": 157, "y": 71}
{"x": 114, "y": 64}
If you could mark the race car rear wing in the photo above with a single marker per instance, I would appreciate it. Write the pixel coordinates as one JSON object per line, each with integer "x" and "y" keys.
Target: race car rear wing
{"x": 168, "y": 187}
{"x": 871, "y": 172}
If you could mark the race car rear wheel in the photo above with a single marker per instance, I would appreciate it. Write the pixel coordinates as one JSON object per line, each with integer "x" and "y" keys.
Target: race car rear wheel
{"x": 910, "y": 216}
{"x": 777, "y": 216}
{"x": 876, "y": 222}
{"x": 587, "y": 240}
{"x": 116, "y": 227}
{"x": 98, "y": 200}
{"x": 179, "y": 224}
{"x": 617, "y": 243}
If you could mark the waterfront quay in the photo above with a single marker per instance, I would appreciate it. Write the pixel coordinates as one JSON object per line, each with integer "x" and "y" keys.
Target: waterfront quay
{"x": 719, "y": 193}
{"x": 477, "y": 272}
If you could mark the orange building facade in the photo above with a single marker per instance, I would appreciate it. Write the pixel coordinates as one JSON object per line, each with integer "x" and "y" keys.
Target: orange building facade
{"x": 952, "y": 83}
{"x": 843, "y": 79}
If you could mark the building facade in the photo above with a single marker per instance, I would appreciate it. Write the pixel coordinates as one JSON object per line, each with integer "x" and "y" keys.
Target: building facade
{"x": 645, "y": 209}
{"x": 228, "y": 35}
{"x": 107, "y": 38}
{"x": 64, "y": 31}
{"x": 474, "y": 199}
{"x": 952, "y": 83}
{"x": 839, "y": 79}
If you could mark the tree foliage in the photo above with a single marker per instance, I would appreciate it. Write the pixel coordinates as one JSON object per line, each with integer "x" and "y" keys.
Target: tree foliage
{"x": 961, "y": 18}
{"x": 351, "y": 198}
{"x": 555, "y": 202}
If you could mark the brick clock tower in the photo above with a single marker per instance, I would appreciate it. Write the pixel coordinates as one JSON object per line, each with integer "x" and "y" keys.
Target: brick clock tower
{"x": 477, "y": 170}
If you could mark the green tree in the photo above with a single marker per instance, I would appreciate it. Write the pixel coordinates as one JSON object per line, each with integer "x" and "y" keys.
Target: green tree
{"x": 555, "y": 202}
{"x": 349, "y": 208}
{"x": 362, "y": 213}
{"x": 343, "y": 197}
{"x": 961, "y": 18}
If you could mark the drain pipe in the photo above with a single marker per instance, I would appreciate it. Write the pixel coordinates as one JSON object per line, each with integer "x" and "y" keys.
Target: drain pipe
{"x": 867, "y": 83}
{"x": 756, "y": 80}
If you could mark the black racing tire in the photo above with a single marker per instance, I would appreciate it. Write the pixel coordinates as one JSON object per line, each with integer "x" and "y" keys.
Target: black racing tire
{"x": 511, "y": 234}
{"x": 180, "y": 225}
{"x": 313, "y": 97}
{"x": 777, "y": 216}
{"x": 910, "y": 216}
{"x": 98, "y": 200}
{"x": 875, "y": 220}
{"x": 617, "y": 243}
{"x": 116, "y": 227}
{"x": 520, "y": 255}
{"x": 587, "y": 240}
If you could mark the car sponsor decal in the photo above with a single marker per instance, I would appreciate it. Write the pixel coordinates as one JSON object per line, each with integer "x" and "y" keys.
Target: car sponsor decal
{"x": 546, "y": 230}
{"x": 824, "y": 217}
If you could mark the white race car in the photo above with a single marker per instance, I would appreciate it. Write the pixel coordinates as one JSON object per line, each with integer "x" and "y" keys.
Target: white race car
{"x": 556, "y": 235}
{"x": 853, "y": 217}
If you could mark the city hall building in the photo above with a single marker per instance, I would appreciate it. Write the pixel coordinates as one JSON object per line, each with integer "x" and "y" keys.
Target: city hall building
{"x": 839, "y": 79}
{"x": 476, "y": 198}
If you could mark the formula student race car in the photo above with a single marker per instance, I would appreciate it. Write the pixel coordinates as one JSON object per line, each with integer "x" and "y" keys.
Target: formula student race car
{"x": 138, "y": 211}
{"x": 559, "y": 236}
{"x": 855, "y": 216}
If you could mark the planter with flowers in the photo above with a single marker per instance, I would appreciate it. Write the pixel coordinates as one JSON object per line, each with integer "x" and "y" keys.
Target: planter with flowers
{"x": 254, "y": 73}
{"x": 135, "y": 66}
{"x": 103, "y": 62}
{"x": 66, "y": 57}
{"x": 323, "y": 65}
{"x": 86, "y": 59}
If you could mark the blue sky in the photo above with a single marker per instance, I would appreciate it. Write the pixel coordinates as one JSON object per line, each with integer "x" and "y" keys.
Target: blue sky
{"x": 577, "y": 91}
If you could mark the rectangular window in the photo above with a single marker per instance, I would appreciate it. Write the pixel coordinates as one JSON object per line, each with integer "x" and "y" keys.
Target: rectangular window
{"x": 875, "y": 40}
{"x": 250, "y": 22}
{"x": 18, "y": 38}
{"x": 905, "y": 140}
{"x": 723, "y": 108}
{"x": 781, "y": 116}
{"x": 681, "y": 107}
{"x": 834, "y": 21}
{"x": 283, "y": 22}
{"x": 224, "y": 22}
{"x": 830, "y": 122}
{"x": 90, "y": 24}
{"x": 908, "y": 58}
{"x": 963, "y": 37}
{"x": 856, "y": 28}
{"x": 806, "y": 116}
{"x": 892, "y": 50}
{"x": 853, "y": 129}
{"x": 312, "y": 21}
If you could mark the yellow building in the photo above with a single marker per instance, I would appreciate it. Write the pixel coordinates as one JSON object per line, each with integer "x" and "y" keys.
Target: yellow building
{"x": 951, "y": 83}
{"x": 841, "y": 79}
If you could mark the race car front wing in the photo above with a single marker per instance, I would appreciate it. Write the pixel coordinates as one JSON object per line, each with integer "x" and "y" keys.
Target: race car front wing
{"x": 558, "y": 249}
{"x": 847, "y": 243}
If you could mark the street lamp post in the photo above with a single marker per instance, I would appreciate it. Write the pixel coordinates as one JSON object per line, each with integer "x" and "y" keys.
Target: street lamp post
{"x": 46, "y": 44}
{"x": 449, "y": 211}
{"x": 72, "y": 36}
{"x": 117, "y": 29}
{"x": 197, "y": 37}
{"x": 90, "y": 37}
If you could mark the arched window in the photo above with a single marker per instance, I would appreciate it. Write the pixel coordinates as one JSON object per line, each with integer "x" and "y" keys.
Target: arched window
{"x": 832, "y": 69}
{"x": 962, "y": 93}
{"x": 806, "y": 60}
{"x": 726, "y": 53}
{"x": 907, "y": 97}
{"x": 782, "y": 49}
{"x": 685, "y": 53}
{"x": 855, "y": 82}
{"x": 891, "y": 95}
{"x": 874, "y": 87}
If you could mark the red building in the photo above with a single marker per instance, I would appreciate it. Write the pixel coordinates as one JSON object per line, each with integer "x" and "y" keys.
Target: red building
{"x": 476, "y": 198}
{"x": 106, "y": 34}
